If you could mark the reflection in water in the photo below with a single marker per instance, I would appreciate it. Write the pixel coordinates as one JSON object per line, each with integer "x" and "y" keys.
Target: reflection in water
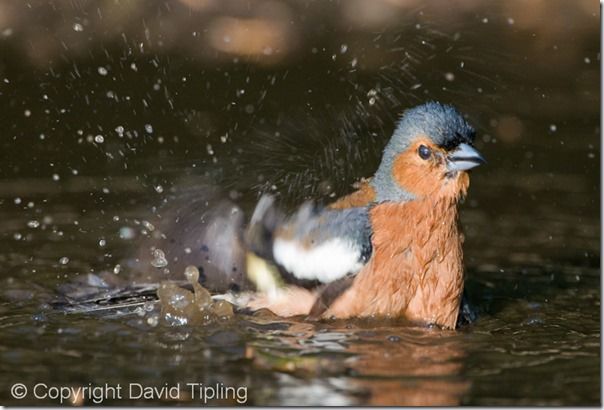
{"x": 386, "y": 365}
{"x": 418, "y": 367}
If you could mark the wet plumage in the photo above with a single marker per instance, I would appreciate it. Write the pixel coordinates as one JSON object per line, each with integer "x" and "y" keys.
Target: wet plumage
{"x": 405, "y": 219}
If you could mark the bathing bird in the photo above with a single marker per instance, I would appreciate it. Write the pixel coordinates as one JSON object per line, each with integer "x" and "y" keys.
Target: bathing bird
{"x": 393, "y": 248}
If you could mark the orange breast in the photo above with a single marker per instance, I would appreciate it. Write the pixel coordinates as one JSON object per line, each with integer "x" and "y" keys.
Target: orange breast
{"x": 416, "y": 270}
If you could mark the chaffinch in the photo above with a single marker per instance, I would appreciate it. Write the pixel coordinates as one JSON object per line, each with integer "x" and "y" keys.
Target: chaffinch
{"x": 392, "y": 248}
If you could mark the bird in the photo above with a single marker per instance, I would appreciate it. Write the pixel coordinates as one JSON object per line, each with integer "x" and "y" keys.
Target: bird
{"x": 392, "y": 248}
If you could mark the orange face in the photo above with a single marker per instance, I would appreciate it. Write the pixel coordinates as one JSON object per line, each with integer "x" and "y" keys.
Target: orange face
{"x": 422, "y": 171}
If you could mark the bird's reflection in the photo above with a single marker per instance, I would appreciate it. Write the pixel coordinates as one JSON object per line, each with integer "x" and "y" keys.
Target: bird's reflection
{"x": 384, "y": 364}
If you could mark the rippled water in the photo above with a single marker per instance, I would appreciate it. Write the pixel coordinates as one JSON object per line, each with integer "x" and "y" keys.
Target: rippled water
{"x": 309, "y": 127}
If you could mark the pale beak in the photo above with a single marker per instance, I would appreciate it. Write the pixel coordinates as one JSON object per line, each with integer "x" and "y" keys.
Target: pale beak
{"x": 463, "y": 158}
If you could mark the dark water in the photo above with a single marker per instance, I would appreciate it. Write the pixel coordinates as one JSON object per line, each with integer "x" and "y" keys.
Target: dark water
{"x": 105, "y": 109}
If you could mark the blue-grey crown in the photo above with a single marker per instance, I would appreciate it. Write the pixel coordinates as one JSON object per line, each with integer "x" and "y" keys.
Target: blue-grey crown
{"x": 442, "y": 123}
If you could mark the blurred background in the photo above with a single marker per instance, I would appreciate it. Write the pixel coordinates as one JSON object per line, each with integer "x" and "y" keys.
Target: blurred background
{"x": 107, "y": 105}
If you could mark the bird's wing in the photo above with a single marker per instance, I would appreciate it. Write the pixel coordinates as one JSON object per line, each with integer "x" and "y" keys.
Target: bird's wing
{"x": 323, "y": 245}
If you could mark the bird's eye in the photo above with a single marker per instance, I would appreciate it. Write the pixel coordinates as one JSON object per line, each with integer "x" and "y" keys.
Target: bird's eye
{"x": 424, "y": 152}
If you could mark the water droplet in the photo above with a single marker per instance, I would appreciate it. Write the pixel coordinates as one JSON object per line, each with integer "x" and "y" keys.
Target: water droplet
{"x": 102, "y": 71}
{"x": 117, "y": 269}
{"x": 64, "y": 260}
{"x": 449, "y": 76}
{"x": 153, "y": 321}
{"x": 553, "y": 128}
{"x": 102, "y": 243}
{"x": 192, "y": 274}
{"x": 99, "y": 139}
{"x": 127, "y": 233}
{"x": 78, "y": 27}
{"x": 55, "y": 177}
{"x": 33, "y": 224}
{"x": 343, "y": 48}
{"x": 159, "y": 259}
{"x": 27, "y": 113}
{"x": 159, "y": 189}
{"x": 148, "y": 225}
{"x": 149, "y": 128}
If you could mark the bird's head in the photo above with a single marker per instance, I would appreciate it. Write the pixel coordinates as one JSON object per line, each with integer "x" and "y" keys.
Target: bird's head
{"x": 428, "y": 154}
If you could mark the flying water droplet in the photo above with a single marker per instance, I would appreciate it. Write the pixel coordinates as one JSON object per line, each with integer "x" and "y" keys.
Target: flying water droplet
{"x": 127, "y": 233}
{"x": 192, "y": 274}
{"x": 148, "y": 225}
{"x": 33, "y": 224}
{"x": 159, "y": 259}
